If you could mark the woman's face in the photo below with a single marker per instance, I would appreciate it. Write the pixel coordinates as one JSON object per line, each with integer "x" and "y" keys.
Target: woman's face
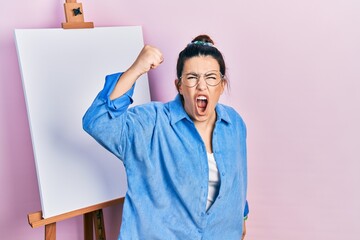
{"x": 201, "y": 99}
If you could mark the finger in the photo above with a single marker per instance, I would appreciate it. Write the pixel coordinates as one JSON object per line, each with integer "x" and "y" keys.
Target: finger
{"x": 158, "y": 54}
{"x": 157, "y": 62}
{"x": 155, "y": 65}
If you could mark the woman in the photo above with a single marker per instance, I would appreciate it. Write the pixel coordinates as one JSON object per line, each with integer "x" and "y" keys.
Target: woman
{"x": 185, "y": 160}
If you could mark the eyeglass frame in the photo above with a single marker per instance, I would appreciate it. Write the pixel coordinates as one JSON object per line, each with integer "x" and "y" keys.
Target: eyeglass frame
{"x": 198, "y": 76}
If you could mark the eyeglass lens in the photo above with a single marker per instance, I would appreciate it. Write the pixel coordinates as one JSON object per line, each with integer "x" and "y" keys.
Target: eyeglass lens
{"x": 212, "y": 78}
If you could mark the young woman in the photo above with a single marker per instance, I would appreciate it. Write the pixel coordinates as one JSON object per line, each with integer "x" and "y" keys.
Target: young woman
{"x": 185, "y": 160}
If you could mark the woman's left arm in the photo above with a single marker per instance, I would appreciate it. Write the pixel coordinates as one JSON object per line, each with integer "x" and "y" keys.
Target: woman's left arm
{"x": 244, "y": 231}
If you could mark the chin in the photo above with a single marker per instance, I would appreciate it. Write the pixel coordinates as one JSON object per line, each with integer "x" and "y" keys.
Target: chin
{"x": 201, "y": 118}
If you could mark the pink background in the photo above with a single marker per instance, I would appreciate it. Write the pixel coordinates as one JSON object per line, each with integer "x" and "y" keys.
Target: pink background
{"x": 294, "y": 68}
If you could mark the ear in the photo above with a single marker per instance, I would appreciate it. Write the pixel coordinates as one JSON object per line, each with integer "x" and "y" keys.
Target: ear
{"x": 223, "y": 85}
{"x": 178, "y": 86}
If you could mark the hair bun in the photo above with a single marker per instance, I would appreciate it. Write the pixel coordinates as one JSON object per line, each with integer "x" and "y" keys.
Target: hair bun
{"x": 203, "y": 38}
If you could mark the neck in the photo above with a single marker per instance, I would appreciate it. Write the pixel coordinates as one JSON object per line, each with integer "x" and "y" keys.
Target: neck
{"x": 205, "y": 129}
{"x": 206, "y": 125}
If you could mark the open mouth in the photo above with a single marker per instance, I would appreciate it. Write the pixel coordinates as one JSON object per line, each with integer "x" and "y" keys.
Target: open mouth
{"x": 201, "y": 103}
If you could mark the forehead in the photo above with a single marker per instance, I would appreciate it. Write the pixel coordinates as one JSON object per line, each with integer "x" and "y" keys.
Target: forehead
{"x": 200, "y": 64}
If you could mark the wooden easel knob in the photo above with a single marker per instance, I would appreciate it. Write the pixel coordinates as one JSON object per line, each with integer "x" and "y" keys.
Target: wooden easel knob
{"x": 74, "y": 15}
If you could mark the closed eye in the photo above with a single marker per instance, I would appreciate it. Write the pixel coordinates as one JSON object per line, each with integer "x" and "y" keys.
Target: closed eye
{"x": 211, "y": 76}
{"x": 192, "y": 76}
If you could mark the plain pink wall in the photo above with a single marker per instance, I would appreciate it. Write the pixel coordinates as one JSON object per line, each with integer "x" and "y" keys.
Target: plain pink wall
{"x": 294, "y": 68}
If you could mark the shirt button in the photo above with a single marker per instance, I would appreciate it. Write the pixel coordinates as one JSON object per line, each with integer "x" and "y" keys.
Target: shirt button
{"x": 219, "y": 197}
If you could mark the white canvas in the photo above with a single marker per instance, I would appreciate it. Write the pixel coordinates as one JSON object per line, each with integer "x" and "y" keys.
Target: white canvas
{"x": 62, "y": 72}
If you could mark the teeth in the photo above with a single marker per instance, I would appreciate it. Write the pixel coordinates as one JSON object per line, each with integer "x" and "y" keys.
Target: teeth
{"x": 201, "y": 98}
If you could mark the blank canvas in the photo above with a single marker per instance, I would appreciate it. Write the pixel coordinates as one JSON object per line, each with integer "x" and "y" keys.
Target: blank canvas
{"x": 62, "y": 72}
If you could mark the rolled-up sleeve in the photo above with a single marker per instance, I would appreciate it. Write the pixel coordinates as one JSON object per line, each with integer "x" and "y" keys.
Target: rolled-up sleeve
{"x": 246, "y": 210}
{"x": 103, "y": 120}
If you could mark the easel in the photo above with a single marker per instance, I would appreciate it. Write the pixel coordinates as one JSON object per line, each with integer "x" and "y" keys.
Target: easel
{"x": 74, "y": 16}
{"x": 92, "y": 216}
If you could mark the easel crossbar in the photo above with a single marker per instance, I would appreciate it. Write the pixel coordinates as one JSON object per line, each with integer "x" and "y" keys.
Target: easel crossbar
{"x": 36, "y": 220}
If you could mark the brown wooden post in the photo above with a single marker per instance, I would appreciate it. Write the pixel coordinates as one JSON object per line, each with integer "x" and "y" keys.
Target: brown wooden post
{"x": 50, "y": 231}
{"x": 99, "y": 224}
{"x": 88, "y": 226}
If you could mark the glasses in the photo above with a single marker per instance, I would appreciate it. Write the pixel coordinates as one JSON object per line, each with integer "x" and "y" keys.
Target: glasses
{"x": 212, "y": 78}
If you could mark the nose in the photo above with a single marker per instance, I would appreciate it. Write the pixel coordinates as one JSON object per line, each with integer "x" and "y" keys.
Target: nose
{"x": 201, "y": 83}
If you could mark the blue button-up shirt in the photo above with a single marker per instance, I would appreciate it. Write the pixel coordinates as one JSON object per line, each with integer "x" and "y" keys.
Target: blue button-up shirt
{"x": 167, "y": 167}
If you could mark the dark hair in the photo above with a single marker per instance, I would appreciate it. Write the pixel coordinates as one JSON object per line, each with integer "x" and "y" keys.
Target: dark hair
{"x": 202, "y": 45}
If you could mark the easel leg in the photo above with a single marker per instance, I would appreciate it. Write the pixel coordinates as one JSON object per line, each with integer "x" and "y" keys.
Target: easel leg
{"x": 96, "y": 219}
{"x": 50, "y": 231}
{"x": 88, "y": 226}
{"x": 99, "y": 225}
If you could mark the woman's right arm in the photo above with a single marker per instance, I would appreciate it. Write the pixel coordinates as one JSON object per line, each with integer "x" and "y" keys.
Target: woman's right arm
{"x": 105, "y": 120}
{"x": 148, "y": 58}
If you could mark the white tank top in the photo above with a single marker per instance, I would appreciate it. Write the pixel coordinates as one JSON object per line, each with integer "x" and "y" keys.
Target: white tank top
{"x": 214, "y": 181}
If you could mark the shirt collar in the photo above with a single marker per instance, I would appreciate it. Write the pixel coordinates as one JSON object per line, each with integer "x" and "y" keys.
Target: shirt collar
{"x": 177, "y": 111}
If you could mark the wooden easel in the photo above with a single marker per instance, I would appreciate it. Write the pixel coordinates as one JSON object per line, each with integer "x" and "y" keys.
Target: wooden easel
{"x": 93, "y": 216}
{"x": 74, "y": 16}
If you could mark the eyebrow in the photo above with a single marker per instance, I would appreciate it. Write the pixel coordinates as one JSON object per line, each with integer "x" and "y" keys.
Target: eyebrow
{"x": 206, "y": 73}
{"x": 192, "y": 73}
{"x": 210, "y": 73}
